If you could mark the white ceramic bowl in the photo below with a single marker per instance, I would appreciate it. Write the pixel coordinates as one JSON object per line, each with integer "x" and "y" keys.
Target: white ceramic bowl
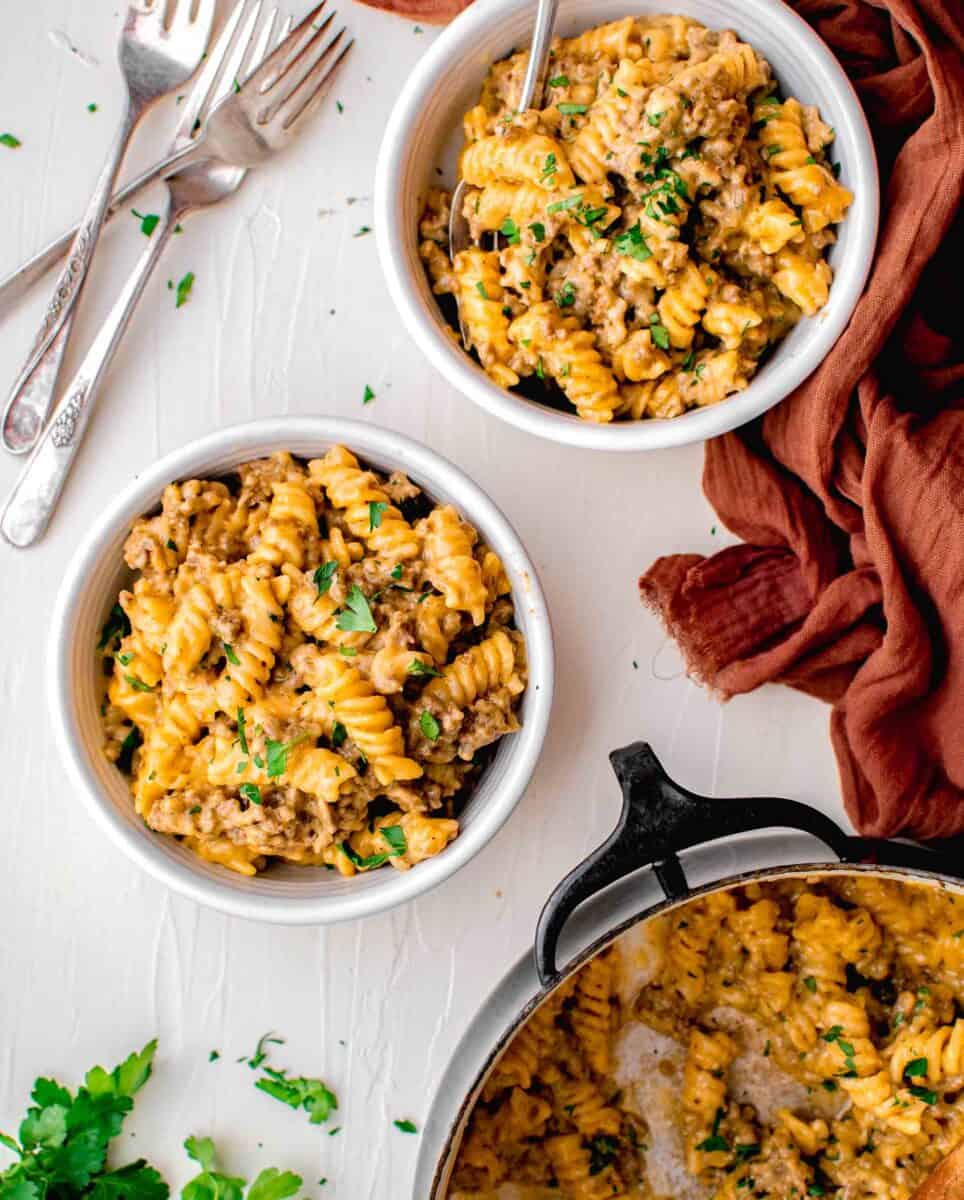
{"x": 288, "y": 895}
{"x": 424, "y": 132}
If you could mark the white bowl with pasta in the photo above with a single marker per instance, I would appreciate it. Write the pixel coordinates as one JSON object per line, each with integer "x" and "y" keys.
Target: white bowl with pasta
{"x": 285, "y": 893}
{"x": 420, "y": 151}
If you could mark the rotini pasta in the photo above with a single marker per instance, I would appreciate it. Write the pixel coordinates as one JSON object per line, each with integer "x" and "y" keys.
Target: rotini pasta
{"x": 317, "y": 640}
{"x": 662, "y": 221}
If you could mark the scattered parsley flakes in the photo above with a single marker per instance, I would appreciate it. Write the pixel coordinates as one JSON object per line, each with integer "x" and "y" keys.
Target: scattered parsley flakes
{"x": 566, "y": 296}
{"x": 654, "y": 118}
{"x": 559, "y": 81}
{"x": 125, "y": 758}
{"x": 394, "y": 835}
{"x": 916, "y": 1067}
{"x": 368, "y": 395}
{"x": 149, "y": 221}
{"x": 715, "y": 1142}
{"x": 417, "y": 667}
{"x": 572, "y": 110}
{"x": 356, "y": 616}
{"x": 632, "y": 244}
{"x": 338, "y": 734}
{"x": 658, "y": 332}
{"x": 276, "y": 754}
{"x": 242, "y": 733}
{"x": 92, "y": 107}
{"x": 8, "y": 139}
{"x": 362, "y": 230}
{"x": 251, "y": 792}
{"x": 548, "y": 171}
{"x": 569, "y": 202}
{"x": 230, "y": 655}
{"x": 406, "y": 1126}
{"x": 810, "y": 983}
{"x": 429, "y": 726}
{"x": 540, "y": 370}
{"x": 361, "y": 864}
{"x": 480, "y": 288}
{"x": 339, "y": 106}
{"x": 323, "y": 577}
{"x": 375, "y": 510}
{"x": 116, "y": 626}
{"x": 538, "y": 231}
{"x": 184, "y": 287}
{"x": 138, "y": 684}
{"x": 922, "y": 1093}
{"x": 510, "y": 231}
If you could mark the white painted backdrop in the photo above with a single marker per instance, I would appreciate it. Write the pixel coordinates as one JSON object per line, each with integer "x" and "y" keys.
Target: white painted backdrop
{"x": 289, "y": 313}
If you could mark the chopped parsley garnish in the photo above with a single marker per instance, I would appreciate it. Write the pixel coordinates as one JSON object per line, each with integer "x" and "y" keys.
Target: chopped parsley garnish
{"x": 654, "y": 118}
{"x": 538, "y": 231}
{"x": 171, "y": 544}
{"x": 923, "y": 1093}
{"x": 397, "y": 571}
{"x": 569, "y": 202}
{"x": 429, "y": 726}
{"x": 916, "y": 1068}
{"x": 572, "y": 110}
{"x": 348, "y": 651}
{"x": 138, "y": 684}
{"x": 632, "y": 244}
{"x": 480, "y": 288}
{"x": 417, "y": 667}
{"x": 310, "y": 1094}
{"x": 276, "y": 754}
{"x": 394, "y": 835}
{"x": 715, "y": 1142}
{"x": 323, "y": 577}
{"x": 658, "y": 332}
{"x": 231, "y": 656}
{"x": 184, "y": 286}
{"x": 772, "y": 151}
{"x": 375, "y": 510}
{"x": 559, "y": 81}
{"x": 362, "y": 230}
{"x": 149, "y": 221}
{"x": 810, "y": 983}
{"x": 362, "y": 864}
{"x": 242, "y": 733}
{"x": 251, "y": 792}
{"x": 406, "y": 1126}
{"x": 746, "y": 1150}
{"x": 214, "y": 1056}
{"x": 92, "y": 107}
{"x": 116, "y": 626}
{"x": 510, "y": 231}
{"x": 566, "y": 296}
{"x": 548, "y": 170}
{"x": 356, "y": 616}
{"x": 338, "y": 734}
{"x": 602, "y": 1151}
{"x": 128, "y": 746}
{"x": 368, "y": 395}
{"x": 828, "y": 1085}
{"x": 7, "y": 139}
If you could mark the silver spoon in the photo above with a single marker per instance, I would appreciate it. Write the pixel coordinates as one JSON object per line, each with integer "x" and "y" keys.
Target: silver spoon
{"x": 533, "y": 85}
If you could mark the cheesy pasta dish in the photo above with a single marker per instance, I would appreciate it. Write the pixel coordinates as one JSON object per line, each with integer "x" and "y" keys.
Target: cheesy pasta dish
{"x": 775, "y": 1041}
{"x": 642, "y": 240}
{"x": 310, "y": 665}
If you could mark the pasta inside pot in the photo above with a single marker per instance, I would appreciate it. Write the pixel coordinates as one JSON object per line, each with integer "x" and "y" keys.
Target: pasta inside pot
{"x": 788, "y": 1038}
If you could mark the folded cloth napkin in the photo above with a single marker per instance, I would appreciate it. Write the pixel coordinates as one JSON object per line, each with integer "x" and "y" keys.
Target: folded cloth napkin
{"x": 849, "y": 496}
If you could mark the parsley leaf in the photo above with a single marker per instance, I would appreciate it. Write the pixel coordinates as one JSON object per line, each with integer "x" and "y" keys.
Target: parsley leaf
{"x": 356, "y": 617}
{"x": 375, "y": 510}
{"x": 916, "y": 1068}
{"x": 116, "y": 626}
{"x": 570, "y": 110}
{"x": 338, "y": 734}
{"x": 309, "y": 1094}
{"x": 7, "y": 139}
{"x": 406, "y": 1126}
{"x": 659, "y": 333}
{"x": 251, "y": 792}
{"x": 148, "y": 221}
{"x": 568, "y": 202}
{"x": 394, "y": 835}
{"x": 323, "y": 577}
{"x": 538, "y": 231}
{"x": 417, "y": 667}
{"x": 276, "y": 754}
{"x": 510, "y": 231}
{"x": 363, "y": 864}
{"x": 566, "y": 296}
{"x": 230, "y": 655}
{"x": 130, "y": 743}
{"x": 429, "y": 726}
{"x": 559, "y": 81}
{"x": 632, "y": 244}
{"x": 242, "y": 734}
{"x": 368, "y": 395}
{"x": 548, "y": 170}
{"x": 184, "y": 286}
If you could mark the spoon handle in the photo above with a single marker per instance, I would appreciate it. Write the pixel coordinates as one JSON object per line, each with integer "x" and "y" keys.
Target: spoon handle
{"x": 534, "y": 83}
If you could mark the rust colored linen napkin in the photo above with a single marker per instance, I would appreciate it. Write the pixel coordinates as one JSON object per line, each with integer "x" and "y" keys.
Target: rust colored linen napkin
{"x": 849, "y": 496}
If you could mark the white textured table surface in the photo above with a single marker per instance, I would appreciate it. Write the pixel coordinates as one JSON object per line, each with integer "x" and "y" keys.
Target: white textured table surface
{"x": 289, "y": 314}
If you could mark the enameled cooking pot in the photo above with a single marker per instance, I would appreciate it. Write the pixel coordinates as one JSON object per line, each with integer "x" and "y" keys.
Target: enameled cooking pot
{"x": 669, "y": 846}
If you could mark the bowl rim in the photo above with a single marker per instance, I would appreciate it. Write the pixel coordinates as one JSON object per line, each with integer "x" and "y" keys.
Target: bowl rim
{"x": 463, "y": 373}
{"x": 265, "y": 435}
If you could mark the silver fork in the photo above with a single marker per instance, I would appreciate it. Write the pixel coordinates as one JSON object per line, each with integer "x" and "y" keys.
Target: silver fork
{"x": 160, "y": 48}
{"x": 190, "y": 129}
{"x": 272, "y": 106}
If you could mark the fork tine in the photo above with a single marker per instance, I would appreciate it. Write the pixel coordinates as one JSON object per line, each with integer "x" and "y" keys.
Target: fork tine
{"x": 275, "y": 65}
{"x": 306, "y": 97}
{"x": 231, "y": 69}
{"x": 297, "y": 68}
{"x": 260, "y": 47}
{"x": 199, "y": 99}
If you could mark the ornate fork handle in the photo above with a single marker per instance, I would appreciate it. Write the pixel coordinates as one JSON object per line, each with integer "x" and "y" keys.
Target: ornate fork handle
{"x": 34, "y": 497}
{"x": 33, "y": 391}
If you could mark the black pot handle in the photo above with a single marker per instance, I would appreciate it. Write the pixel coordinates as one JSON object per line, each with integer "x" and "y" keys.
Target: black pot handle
{"x": 658, "y": 819}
